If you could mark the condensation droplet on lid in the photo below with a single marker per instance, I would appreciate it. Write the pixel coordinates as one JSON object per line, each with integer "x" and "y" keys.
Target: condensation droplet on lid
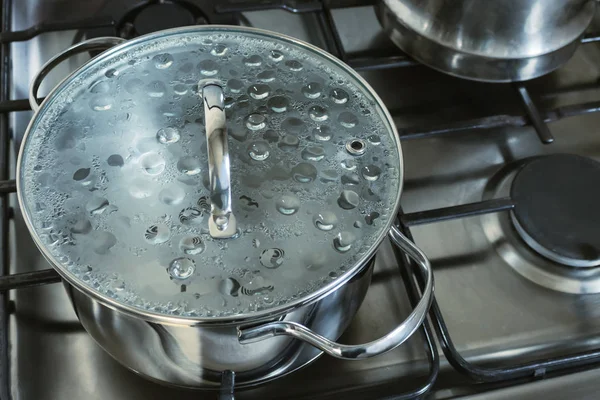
{"x": 140, "y": 189}
{"x": 259, "y": 91}
{"x": 253, "y": 61}
{"x": 266, "y": 76}
{"x": 152, "y": 163}
{"x": 208, "y": 67}
{"x": 191, "y": 216}
{"x": 304, "y": 173}
{"x": 181, "y": 268}
{"x": 347, "y": 119}
{"x": 348, "y": 199}
{"x": 339, "y": 96}
{"x": 349, "y": 164}
{"x": 325, "y": 220}
{"x": 292, "y": 124}
{"x": 171, "y": 195}
{"x": 219, "y": 50}
{"x": 343, "y": 241}
{"x": 189, "y": 165}
{"x": 350, "y": 179}
{"x": 134, "y": 86}
{"x": 156, "y": 89}
{"x": 255, "y": 243}
{"x": 256, "y": 122}
{"x": 318, "y": 113}
{"x": 168, "y": 135}
{"x": 229, "y": 287}
{"x": 288, "y": 204}
{"x": 157, "y": 234}
{"x": 82, "y": 226}
{"x": 115, "y": 160}
{"x": 278, "y": 104}
{"x": 259, "y": 150}
{"x": 357, "y": 224}
{"x": 322, "y": 133}
{"x": 103, "y": 242}
{"x": 235, "y": 85}
{"x": 163, "y": 61}
{"x": 289, "y": 143}
{"x": 374, "y": 140}
{"x": 294, "y": 65}
{"x": 96, "y": 205}
{"x": 272, "y": 258}
{"x": 312, "y": 90}
{"x": 192, "y": 245}
{"x": 271, "y": 136}
{"x": 276, "y": 55}
{"x": 371, "y": 172}
{"x": 101, "y": 103}
{"x": 111, "y": 73}
{"x": 313, "y": 153}
{"x": 371, "y": 217}
{"x": 180, "y": 89}
{"x": 81, "y": 174}
{"x": 101, "y": 86}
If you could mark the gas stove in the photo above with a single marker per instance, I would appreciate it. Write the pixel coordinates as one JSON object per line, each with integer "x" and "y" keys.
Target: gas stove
{"x": 501, "y": 191}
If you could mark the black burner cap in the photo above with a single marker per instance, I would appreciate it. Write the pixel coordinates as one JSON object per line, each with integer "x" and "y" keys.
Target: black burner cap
{"x": 557, "y": 208}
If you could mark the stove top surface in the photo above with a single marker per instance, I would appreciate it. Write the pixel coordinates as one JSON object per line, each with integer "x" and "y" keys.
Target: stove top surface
{"x": 496, "y": 314}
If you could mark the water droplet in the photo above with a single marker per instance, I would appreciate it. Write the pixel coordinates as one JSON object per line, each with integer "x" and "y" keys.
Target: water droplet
{"x": 349, "y": 164}
{"x": 318, "y": 113}
{"x": 191, "y": 216}
{"x": 82, "y": 226}
{"x": 312, "y": 90}
{"x": 208, "y": 67}
{"x": 156, "y": 89}
{"x": 81, "y": 174}
{"x": 235, "y": 85}
{"x": 168, "y": 135}
{"x": 192, "y": 245}
{"x": 256, "y": 122}
{"x": 314, "y": 261}
{"x": 96, "y": 205}
{"x": 256, "y": 243}
{"x": 259, "y": 150}
{"x": 304, "y": 173}
{"x": 325, "y": 220}
{"x": 100, "y": 86}
{"x": 289, "y": 143}
{"x": 157, "y": 234}
{"x": 180, "y": 89}
{"x": 347, "y": 119}
{"x": 371, "y": 172}
{"x": 259, "y": 91}
{"x": 189, "y": 165}
{"x": 276, "y": 55}
{"x": 371, "y": 217}
{"x": 229, "y": 287}
{"x": 288, "y": 204}
{"x": 271, "y": 136}
{"x": 111, "y": 73}
{"x": 181, "y": 268}
{"x": 339, "y": 96}
{"x": 374, "y": 140}
{"x": 348, "y": 199}
{"x": 294, "y": 65}
{"x": 141, "y": 189}
{"x": 219, "y": 50}
{"x": 292, "y": 124}
{"x": 103, "y": 242}
{"x": 152, "y": 163}
{"x": 266, "y": 76}
{"x": 134, "y": 86}
{"x": 253, "y": 61}
{"x": 350, "y": 179}
{"x": 101, "y": 103}
{"x": 343, "y": 241}
{"x": 278, "y": 104}
{"x": 115, "y": 160}
{"x": 163, "y": 61}
{"x": 329, "y": 175}
{"x": 204, "y": 204}
{"x": 313, "y": 153}
{"x": 358, "y": 224}
{"x": 229, "y": 102}
{"x": 171, "y": 195}
{"x": 272, "y": 258}
{"x": 322, "y": 133}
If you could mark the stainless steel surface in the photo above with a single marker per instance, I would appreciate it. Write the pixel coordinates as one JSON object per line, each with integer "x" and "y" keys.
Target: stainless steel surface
{"x": 101, "y": 43}
{"x": 494, "y": 314}
{"x": 505, "y": 40}
{"x": 222, "y": 223}
{"x": 390, "y": 341}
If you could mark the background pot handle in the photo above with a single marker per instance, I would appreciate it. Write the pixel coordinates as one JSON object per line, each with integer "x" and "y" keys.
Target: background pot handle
{"x": 355, "y": 352}
{"x": 101, "y": 43}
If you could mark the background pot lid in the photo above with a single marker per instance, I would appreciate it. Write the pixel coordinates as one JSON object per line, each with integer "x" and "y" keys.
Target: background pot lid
{"x": 113, "y": 174}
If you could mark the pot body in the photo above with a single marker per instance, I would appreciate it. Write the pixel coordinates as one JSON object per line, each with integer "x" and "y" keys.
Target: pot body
{"x": 195, "y": 356}
{"x": 500, "y": 40}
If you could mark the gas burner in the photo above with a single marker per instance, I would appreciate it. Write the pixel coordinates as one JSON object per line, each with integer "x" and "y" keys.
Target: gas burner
{"x": 135, "y": 17}
{"x": 552, "y": 232}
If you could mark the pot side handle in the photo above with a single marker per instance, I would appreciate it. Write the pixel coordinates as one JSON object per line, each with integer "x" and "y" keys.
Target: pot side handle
{"x": 101, "y": 43}
{"x": 356, "y": 352}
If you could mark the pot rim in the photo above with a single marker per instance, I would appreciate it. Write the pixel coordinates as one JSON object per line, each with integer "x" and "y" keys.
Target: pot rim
{"x": 232, "y": 319}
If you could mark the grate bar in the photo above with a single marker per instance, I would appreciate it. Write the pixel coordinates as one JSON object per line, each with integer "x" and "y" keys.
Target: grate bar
{"x": 28, "y": 279}
{"x": 454, "y": 212}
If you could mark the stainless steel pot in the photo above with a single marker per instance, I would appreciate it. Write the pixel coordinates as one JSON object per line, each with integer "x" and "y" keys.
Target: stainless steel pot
{"x": 173, "y": 343}
{"x": 496, "y": 41}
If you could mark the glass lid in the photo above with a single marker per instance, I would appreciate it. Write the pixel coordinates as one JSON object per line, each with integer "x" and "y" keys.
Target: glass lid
{"x": 114, "y": 178}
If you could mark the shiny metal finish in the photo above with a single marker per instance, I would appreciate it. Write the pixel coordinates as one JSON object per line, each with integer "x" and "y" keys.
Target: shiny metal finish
{"x": 500, "y": 41}
{"x": 195, "y": 356}
{"x": 356, "y": 352}
{"x": 101, "y": 43}
{"x": 222, "y": 223}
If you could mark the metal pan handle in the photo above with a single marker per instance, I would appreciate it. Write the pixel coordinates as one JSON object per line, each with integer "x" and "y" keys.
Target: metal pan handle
{"x": 101, "y": 43}
{"x": 356, "y": 352}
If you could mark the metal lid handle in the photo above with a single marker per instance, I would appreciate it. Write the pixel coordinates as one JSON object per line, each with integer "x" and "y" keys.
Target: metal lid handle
{"x": 355, "y": 352}
{"x": 101, "y": 43}
{"x": 222, "y": 223}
